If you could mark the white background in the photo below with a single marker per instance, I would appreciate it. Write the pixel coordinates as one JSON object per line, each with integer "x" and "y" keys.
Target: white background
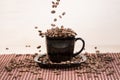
{"x": 96, "y": 21}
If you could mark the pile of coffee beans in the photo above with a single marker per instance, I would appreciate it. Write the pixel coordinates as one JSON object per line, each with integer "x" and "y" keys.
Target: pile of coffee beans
{"x": 60, "y": 32}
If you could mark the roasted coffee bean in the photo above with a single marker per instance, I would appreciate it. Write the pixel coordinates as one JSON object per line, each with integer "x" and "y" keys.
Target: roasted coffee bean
{"x": 97, "y": 51}
{"x": 17, "y": 55}
{"x": 10, "y": 74}
{"x": 15, "y": 77}
{"x": 60, "y": 16}
{"x": 55, "y": 20}
{"x": 53, "y": 11}
{"x": 57, "y": 3}
{"x": 53, "y": 25}
{"x": 36, "y": 27}
{"x": 58, "y": 0}
{"x": 7, "y": 48}
{"x": 53, "y": 2}
{"x": 54, "y": 6}
{"x": 96, "y": 76}
{"x": 39, "y": 31}
{"x": 39, "y": 50}
{"x": 27, "y": 46}
{"x": 63, "y": 13}
{"x": 8, "y": 68}
{"x": 27, "y": 54}
{"x": 57, "y": 73}
{"x": 39, "y": 47}
{"x": 40, "y": 78}
{"x": 79, "y": 75}
{"x": 19, "y": 75}
{"x": 95, "y": 47}
{"x": 77, "y": 71}
{"x": 35, "y": 73}
{"x": 110, "y": 73}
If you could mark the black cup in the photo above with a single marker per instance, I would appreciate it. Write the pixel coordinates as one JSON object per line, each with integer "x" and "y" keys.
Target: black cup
{"x": 61, "y": 49}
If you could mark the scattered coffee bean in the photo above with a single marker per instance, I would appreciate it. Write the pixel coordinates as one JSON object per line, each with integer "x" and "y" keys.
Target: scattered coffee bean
{"x": 110, "y": 73}
{"x": 19, "y": 75}
{"x": 40, "y": 78}
{"x": 18, "y": 55}
{"x": 118, "y": 64}
{"x": 27, "y": 54}
{"x": 36, "y": 53}
{"x": 118, "y": 57}
{"x": 57, "y": 73}
{"x": 96, "y": 76}
{"x": 27, "y": 46}
{"x": 10, "y": 74}
{"x": 8, "y": 68}
{"x": 79, "y": 75}
{"x": 97, "y": 51}
{"x": 35, "y": 73}
{"x": 14, "y": 77}
{"x": 77, "y": 71}
{"x": 53, "y": 11}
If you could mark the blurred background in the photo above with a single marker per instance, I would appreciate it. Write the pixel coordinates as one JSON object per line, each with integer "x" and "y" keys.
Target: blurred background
{"x": 96, "y": 21}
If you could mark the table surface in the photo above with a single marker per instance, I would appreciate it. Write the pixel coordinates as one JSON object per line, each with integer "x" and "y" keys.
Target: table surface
{"x": 50, "y": 74}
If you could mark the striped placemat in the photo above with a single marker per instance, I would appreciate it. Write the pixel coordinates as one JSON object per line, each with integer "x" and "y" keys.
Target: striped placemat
{"x": 37, "y": 73}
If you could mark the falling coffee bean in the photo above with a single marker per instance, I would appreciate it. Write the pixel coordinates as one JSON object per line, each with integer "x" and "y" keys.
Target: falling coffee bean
{"x": 7, "y": 48}
{"x": 55, "y": 20}
{"x": 53, "y": 2}
{"x": 58, "y": 0}
{"x": 60, "y": 16}
{"x": 39, "y": 50}
{"x": 63, "y": 13}
{"x": 54, "y": 6}
{"x": 53, "y": 11}
{"x": 57, "y": 3}
{"x": 36, "y": 27}
{"x": 53, "y": 25}
{"x": 95, "y": 47}
{"x": 39, "y": 47}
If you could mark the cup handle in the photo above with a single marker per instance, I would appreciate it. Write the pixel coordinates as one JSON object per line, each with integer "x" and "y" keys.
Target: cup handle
{"x": 83, "y": 42}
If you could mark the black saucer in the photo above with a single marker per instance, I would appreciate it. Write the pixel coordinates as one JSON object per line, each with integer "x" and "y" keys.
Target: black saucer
{"x": 44, "y": 62}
